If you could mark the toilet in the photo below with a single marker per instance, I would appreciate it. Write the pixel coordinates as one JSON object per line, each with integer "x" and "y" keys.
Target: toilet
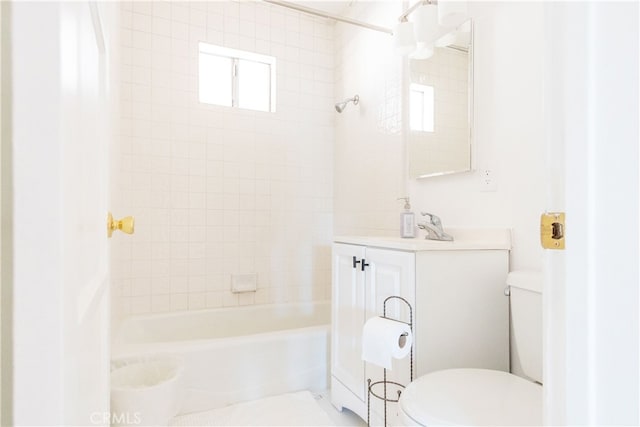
{"x": 482, "y": 396}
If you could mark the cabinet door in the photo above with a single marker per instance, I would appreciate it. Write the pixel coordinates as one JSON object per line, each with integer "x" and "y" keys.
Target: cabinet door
{"x": 389, "y": 273}
{"x": 348, "y": 318}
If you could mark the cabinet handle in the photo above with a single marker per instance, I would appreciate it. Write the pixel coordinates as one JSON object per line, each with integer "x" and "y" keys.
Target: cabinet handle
{"x": 355, "y": 262}
{"x": 364, "y": 264}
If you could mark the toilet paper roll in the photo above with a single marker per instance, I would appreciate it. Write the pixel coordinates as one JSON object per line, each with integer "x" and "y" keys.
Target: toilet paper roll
{"x": 384, "y": 339}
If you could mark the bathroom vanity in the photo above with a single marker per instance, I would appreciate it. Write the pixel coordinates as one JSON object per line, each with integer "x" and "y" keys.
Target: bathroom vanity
{"x": 460, "y": 313}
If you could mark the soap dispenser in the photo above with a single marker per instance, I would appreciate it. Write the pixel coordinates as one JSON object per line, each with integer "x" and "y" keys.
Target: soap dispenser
{"x": 407, "y": 220}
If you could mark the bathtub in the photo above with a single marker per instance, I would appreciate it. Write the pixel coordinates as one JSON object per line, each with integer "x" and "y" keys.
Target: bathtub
{"x": 234, "y": 354}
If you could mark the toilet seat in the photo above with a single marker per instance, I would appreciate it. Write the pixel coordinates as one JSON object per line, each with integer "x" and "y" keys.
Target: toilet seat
{"x": 472, "y": 397}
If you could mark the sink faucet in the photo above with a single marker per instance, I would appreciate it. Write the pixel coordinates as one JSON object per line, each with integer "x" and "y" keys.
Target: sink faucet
{"x": 433, "y": 227}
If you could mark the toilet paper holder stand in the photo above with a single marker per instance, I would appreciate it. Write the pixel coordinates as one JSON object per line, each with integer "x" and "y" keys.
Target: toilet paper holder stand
{"x": 384, "y": 383}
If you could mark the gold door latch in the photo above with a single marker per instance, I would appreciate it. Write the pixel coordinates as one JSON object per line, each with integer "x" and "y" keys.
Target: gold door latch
{"x": 552, "y": 230}
{"x": 126, "y": 224}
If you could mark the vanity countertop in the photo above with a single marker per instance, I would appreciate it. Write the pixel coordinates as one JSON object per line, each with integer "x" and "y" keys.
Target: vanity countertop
{"x": 463, "y": 239}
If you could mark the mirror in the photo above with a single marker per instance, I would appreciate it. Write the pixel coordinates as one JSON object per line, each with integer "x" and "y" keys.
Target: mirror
{"x": 440, "y": 108}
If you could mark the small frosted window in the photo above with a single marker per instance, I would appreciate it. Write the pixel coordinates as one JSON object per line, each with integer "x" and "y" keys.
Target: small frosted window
{"x": 215, "y": 79}
{"x": 254, "y": 79}
{"x": 421, "y": 108}
{"x": 236, "y": 78}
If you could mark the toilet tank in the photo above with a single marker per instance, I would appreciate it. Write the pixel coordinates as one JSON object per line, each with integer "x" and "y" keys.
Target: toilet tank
{"x": 526, "y": 323}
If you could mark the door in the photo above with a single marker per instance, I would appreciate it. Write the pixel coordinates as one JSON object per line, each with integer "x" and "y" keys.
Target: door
{"x": 348, "y": 317}
{"x": 60, "y": 120}
{"x": 85, "y": 161}
{"x": 591, "y": 305}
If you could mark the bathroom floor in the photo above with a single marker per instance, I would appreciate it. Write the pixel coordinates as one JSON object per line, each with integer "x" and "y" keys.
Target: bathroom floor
{"x": 292, "y": 409}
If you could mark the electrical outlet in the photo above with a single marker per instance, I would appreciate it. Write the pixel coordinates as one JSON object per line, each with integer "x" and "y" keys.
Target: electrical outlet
{"x": 487, "y": 180}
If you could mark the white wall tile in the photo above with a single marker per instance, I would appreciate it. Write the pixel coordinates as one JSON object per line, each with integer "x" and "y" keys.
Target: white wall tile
{"x": 213, "y": 299}
{"x": 219, "y": 191}
{"x": 197, "y": 17}
{"x": 140, "y": 304}
{"x": 126, "y": 19}
{"x": 197, "y": 34}
{"x": 160, "y": 303}
{"x": 197, "y": 301}
{"x": 140, "y": 39}
{"x": 179, "y": 30}
{"x": 161, "y": 26}
{"x": 161, "y": 9}
{"x": 215, "y": 21}
{"x": 141, "y": 22}
{"x": 229, "y": 299}
{"x": 179, "y": 302}
{"x": 180, "y": 12}
{"x": 126, "y": 37}
{"x": 143, "y": 7}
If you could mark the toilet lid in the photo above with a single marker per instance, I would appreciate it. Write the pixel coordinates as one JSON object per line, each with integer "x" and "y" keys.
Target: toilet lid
{"x": 472, "y": 397}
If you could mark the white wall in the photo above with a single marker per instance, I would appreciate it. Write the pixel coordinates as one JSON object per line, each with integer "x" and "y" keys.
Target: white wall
{"x": 369, "y": 153}
{"x": 508, "y": 133}
{"x": 218, "y": 191}
{"x": 37, "y": 273}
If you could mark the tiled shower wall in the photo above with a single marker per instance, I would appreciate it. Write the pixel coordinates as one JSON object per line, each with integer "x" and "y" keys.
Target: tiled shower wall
{"x": 221, "y": 191}
{"x": 369, "y": 157}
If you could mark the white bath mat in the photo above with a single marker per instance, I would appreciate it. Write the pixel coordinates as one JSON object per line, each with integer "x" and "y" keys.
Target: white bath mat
{"x": 292, "y": 409}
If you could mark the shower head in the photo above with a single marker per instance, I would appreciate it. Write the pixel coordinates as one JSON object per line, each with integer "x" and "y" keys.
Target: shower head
{"x": 340, "y": 106}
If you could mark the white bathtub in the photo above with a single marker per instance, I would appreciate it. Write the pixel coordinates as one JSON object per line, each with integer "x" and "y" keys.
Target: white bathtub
{"x": 235, "y": 354}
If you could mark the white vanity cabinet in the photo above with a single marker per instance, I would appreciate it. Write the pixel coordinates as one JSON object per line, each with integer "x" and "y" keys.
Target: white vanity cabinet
{"x": 456, "y": 289}
{"x": 358, "y": 294}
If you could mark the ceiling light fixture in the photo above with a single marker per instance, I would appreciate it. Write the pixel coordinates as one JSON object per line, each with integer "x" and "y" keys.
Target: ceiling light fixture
{"x": 433, "y": 24}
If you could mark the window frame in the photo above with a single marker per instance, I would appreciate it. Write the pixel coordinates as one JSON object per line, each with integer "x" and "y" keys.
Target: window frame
{"x": 236, "y": 55}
